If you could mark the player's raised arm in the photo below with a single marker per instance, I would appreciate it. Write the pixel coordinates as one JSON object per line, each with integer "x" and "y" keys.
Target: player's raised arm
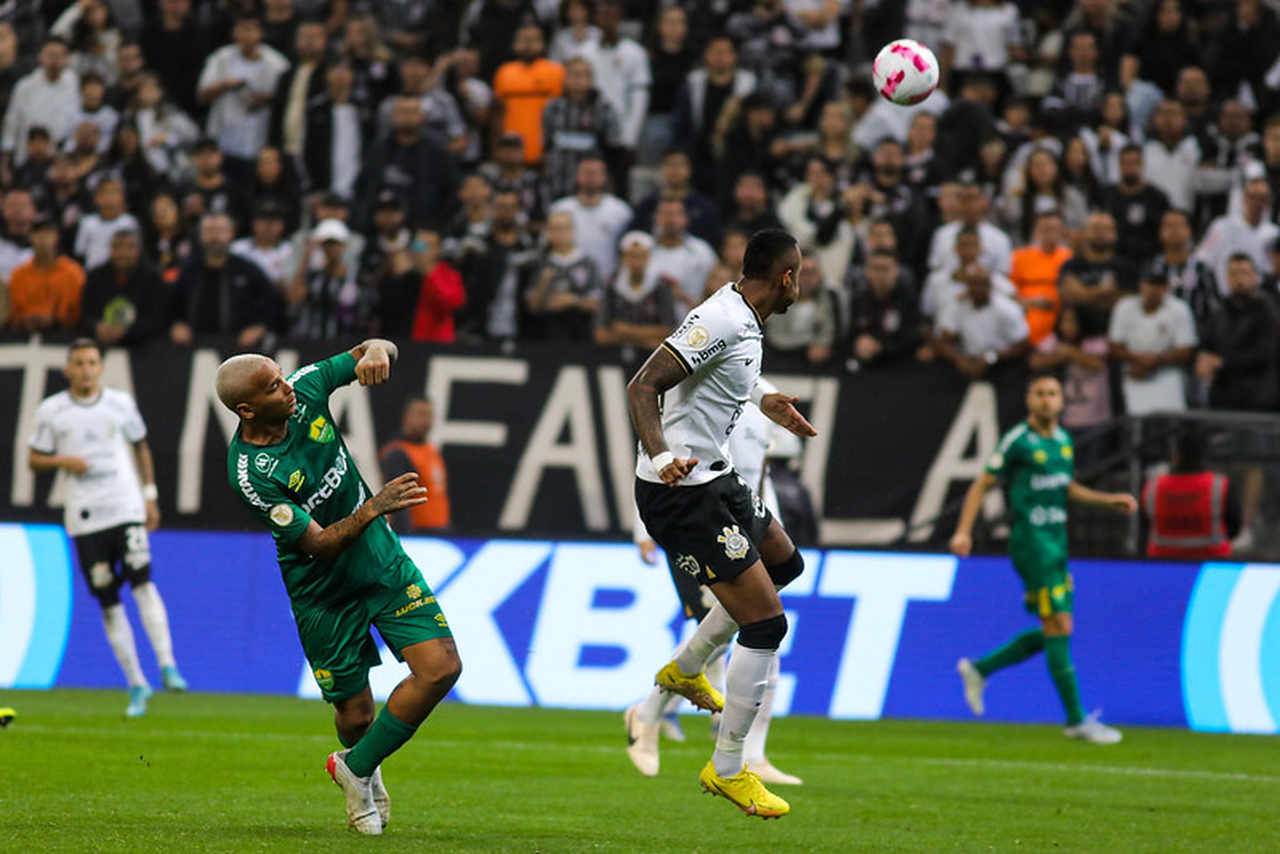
{"x": 1120, "y": 502}
{"x": 660, "y": 373}
{"x": 373, "y": 360}
{"x": 328, "y": 542}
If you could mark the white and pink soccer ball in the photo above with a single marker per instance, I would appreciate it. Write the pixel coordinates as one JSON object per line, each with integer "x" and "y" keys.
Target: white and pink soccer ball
{"x": 905, "y": 72}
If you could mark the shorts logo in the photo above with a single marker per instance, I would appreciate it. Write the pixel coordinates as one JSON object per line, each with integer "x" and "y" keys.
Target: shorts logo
{"x": 441, "y": 621}
{"x": 1040, "y": 456}
{"x": 736, "y": 544}
{"x": 296, "y": 480}
{"x": 324, "y": 679}
{"x": 1067, "y": 452}
{"x": 413, "y": 591}
{"x": 321, "y": 430}
{"x": 281, "y": 514}
{"x": 697, "y": 337}
{"x": 264, "y": 463}
{"x": 689, "y": 564}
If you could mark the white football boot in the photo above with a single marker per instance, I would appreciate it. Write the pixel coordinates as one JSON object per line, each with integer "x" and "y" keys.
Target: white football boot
{"x": 765, "y": 770}
{"x": 974, "y": 684}
{"x": 1094, "y": 731}
{"x": 362, "y": 813}
{"x": 642, "y": 743}
{"x": 381, "y": 799}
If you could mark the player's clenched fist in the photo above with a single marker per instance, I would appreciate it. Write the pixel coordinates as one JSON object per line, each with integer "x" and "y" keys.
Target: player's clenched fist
{"x": 676, "y": 470}
{"x": 374, "y": 367}
{"x": 961, "y": 545}
{"x": 400, "y": 493}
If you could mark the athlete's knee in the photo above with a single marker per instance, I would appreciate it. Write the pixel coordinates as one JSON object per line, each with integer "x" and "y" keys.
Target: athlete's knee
{"x": 102, "y": 584}
{"x": 788, "y": 571}
{"x": 355, "y": 714}
{"x": 1057, "y": 625}
{"x": 441, "y": 670}
{"x": 764, "y": 634}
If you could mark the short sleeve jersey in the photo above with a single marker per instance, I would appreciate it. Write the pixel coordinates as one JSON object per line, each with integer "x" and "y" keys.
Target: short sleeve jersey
{"x": 99, "y": 432}
{"x": 719, "y": 347}
{"x": 1037, "y": 471}
{"x": 310, "y": 475}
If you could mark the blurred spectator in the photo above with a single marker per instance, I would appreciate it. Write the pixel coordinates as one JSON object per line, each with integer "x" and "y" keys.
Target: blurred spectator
{"x": 49, "y": 97}
{"x": 523, "y": 87}
{"x": 333, "y": 142}
{"x": 1082, "y": 365}
{"x": 175, "y": 46}
{"x": 1080, "y": 86}
{"x": 1249, "y": 232}
{"x": 1238, "y": 345}
{"x": 1190, "y": 279}
{"x": 1267, "y": 166}
{"x": 981, "y": 329}
{"x": 509, "y": 173}
{"x": 979, "y": 35}
{"x": 293, "y": 115}
{"x": 599, "y": 217}
{"x": 167, "y": 242}
{"x": 130, "y": 66}
{"x": 921, "y": 160}
{"x": 93, "y": 240}
{"x": 166, "y": 131}
{"x": 893, "y": 199}
{"x": 701, "y": 103}
{"x": 1035, "y": 272}
{"x": 274, "y": 180}
{"x": 813, "y": 213}
{"x": 946, "y": 283}
{"x": 411, "y": 163}
{"x": 886, "y": 314}
{"x": 1192, "y": 513}
{"x": 680, "y": 260}
{"x": 19, "y": 214}
{"x": 1193, "y": 92}
{"x": 390, "y": 236}
{"x": 470, "y": 227}
{"x": 413, "y": 452}
{"x": 564, "y": 296}
{"x": 622, "y": 75}
{"x": 1169, "y": 44}
{"x": 577, "y": 34}
{"x": 329, "y": 206}
{"x": 65, "y": 194}
{"x": 637, "y": 312}
{"x": 419, "y": 292}
{"x": 751, "y": 211}
{"x": 495, "y": 266}
{"x": 440, "y": 114}
{"x": 1172, "y": 155}
{"x": 1078, "y": 173}
{"x": 1153, "y": 335}
{"x": 267, "y": 247}
{"x": 674, "y": 181}
{"x": 123, "y": 301}
{"x": 1114, "y": 38}
{"x": 1226, "y": 147}
{"x": 92, "y": 37}
{"x": 963, "y": 124}
{"x": 238, "y": 83}
{"x": 210, "y": 189}
{"x": 370, "y": 59}
{"x": 1106, "y": 136}
{"x": 579, "y": 122}
{"x": 35, "y": 171}
{"x": 770, "y": 43}
{"x": 1137, "y": 207}
{"x": 973, "y": 209}
{"x": 493, "y": 26}
{"x": 327, "y": 302}
{"x": 217, "y": 293}
{"x": 12, "y": 64}
{"x": 1096, "y": 277}
{"x": 94, "y": 109}
{"x": 281, "y": 22}
{"x": 1041, "y": 188}
{"x": 671, "y": 57}
{"x": 44, "y": 291}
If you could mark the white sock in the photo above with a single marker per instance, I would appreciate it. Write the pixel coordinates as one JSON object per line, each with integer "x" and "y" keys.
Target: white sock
{"x": 715, "y": 630}
{"x": 651, "y": 707}
{"x": 155, "y": 619}
{"x": 745, "y": 683}
{"x": 120, "y": 636}
{"x": 715, "y": 669}
{"x": 753, "y": 747}
{"x": 672, "y": 705}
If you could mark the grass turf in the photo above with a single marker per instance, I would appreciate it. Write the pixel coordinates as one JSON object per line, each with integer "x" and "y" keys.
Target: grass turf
{"x": 244, "y": 773}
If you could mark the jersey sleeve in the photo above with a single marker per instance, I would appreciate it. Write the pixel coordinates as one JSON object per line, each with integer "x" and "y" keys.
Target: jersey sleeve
{"x": 315, "y": 382}
{"x": 270, "y": 505}
{"x": 702, "y": 339}
{"x": 1004, "y": 457}
{"x": 43, "y": 440}
{"x": 132, "y": 425}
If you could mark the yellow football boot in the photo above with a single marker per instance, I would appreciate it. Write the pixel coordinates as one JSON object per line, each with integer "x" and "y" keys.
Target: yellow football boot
{"x": 696, "y": 689}
{"x": 745, "y": 791}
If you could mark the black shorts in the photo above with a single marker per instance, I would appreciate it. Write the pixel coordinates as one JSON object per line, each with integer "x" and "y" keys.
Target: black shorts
{"x": 709, "y": 531}
{"x": 110, "y": 557}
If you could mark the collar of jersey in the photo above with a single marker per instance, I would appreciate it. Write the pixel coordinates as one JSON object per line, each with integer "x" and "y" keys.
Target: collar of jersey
{"x": 97, "y": 398}
{"x": 754, "y": 313}
{"x": 288, "y": 436}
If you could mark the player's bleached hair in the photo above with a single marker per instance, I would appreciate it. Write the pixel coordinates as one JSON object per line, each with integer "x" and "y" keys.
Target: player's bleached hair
{"x": 233, "y": 380}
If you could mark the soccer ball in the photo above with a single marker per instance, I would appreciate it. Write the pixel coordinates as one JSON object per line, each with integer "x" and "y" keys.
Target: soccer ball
{"x": 905, "y": 72}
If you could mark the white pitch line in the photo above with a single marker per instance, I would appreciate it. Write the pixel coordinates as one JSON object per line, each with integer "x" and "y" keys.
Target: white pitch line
{"x": 446, "y": 743}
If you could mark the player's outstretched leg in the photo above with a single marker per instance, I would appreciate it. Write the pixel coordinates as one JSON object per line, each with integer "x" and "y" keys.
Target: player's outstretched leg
{"x": 352, "y": 718}
{"x": 642, "y": 736}
{"x": 754, "y": 746}
{"x": 120, "y": 636}
{"x": 1057, "y": 653}
{"x": 974, "y": 673}
{"x": 155, "y": 619}
{"x": 684, "y": 674}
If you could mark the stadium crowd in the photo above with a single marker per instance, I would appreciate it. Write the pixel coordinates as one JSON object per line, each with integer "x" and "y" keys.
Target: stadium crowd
{"x": 1094, "y": 187}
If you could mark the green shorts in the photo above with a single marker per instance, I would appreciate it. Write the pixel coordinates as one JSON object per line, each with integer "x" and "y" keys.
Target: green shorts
{"x": 1048, "y": 585}
{"x": 336, "y": 638}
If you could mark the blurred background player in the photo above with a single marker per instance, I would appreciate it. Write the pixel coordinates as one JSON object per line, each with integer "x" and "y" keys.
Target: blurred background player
{"x": 412, "y": 452}
{"x": 748, "y": 446}
{"x": 1036, "y": 460}
{"x": 89, "y": 432}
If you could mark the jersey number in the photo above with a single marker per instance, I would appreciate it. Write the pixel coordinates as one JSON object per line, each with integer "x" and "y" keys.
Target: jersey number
{"x": 137, "y": 549}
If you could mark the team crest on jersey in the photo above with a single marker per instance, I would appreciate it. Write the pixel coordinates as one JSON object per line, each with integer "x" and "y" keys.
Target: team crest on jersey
{"x": 296, "y": 480}
{"x": 1040, "y": 456}
{"x": 1067, "y": 452}
{"x": 735, "y": 543}
{"x": 689, "y": 564}
{"x": 697, "y": 337}
{"x": 321, "y": 430}
{"x": 324, "y": 679}
{"x": 281, "y": 514}
{"x": 264, "y": 463}
{"x": 413, "y": 591}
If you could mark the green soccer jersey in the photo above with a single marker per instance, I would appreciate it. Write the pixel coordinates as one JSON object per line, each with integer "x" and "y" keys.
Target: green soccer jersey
{"x": 1037, "y": 470}
{"x": 310, "y": 475}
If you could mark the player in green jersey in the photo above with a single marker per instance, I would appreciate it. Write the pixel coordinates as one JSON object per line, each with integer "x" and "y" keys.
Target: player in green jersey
{"x": 343, "y": 566}
{"x": 1036, "y": 461}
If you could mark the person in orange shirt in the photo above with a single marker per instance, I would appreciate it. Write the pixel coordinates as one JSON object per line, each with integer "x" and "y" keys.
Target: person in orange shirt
{"x": 524, "y": 86}
{"x": 44, "y": 291}
{"x": 412, "y": 452}
{"x": 1034, "y": 273}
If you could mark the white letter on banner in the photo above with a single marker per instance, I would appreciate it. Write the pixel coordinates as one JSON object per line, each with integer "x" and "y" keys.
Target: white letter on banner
{"x": 619, "y": 442}
{"x": 201, "y": 397}
{"x": 489, "y": 674}
{"x": 568, "y": 406}
{"x": 567, "y": 622}
{"x": 444, "y": 371}
{"x": 883, "y": 584}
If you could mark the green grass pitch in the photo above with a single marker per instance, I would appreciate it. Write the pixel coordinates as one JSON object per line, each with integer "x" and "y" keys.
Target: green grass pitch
{"x": 241, "y": 773}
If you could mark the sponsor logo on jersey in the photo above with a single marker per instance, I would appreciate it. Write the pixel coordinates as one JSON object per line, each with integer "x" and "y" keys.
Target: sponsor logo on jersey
{"x": 1067, "y": 452}
{"x": 321, "y": 430}
{"x": 246, "y": 489}
{"x": 414, "y": 605}
{"x": 697, "y": 337}
{"x": 296, "y": 480}
{"x": 324, "y": 679}
{"x": 265, "y": 463}
{"x": 717, "y": 346}
{"x": 281, "y": 514}
{"x": 1050, "y": 481}
{"x": 735, "y": 543}
{"x": 332, "y": 480}
{"x": 1040, "y": 456}
{"x": 1048, "y": 516}
{"x": 413, "y": 591}
{"x": 689, "y": 564}
{"x": 441, "y": 621}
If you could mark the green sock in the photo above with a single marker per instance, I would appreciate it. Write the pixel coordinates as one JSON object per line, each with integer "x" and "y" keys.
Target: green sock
{"x": 1019, "y": 649}
{"x": 387, "y": 734}
{"x": 1057, "y": 651}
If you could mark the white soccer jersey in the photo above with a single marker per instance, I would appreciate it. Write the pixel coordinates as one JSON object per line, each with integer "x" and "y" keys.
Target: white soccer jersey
{"x": 719, "y": 344}
{"x": 100, "y": 432}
